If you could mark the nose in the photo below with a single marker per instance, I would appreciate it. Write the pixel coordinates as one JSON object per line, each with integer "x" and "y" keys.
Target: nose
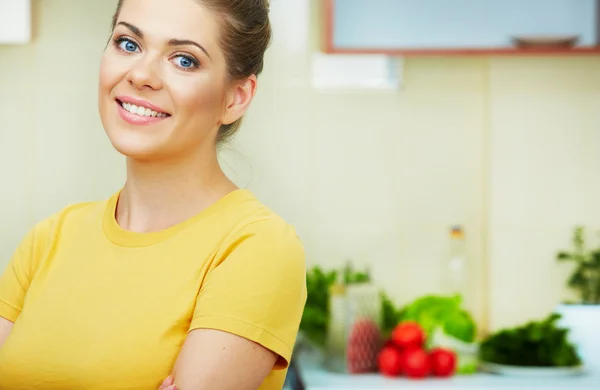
{"x": 145, "y": 74}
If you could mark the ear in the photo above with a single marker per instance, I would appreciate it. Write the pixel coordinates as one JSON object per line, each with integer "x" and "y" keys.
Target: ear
{"x": 239, "y": 99}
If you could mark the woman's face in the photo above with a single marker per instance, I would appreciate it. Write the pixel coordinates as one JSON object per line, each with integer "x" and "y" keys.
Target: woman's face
{"x": 162, "y": 88}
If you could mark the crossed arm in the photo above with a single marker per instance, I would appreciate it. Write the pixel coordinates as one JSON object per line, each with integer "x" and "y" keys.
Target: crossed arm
{"x": 212, "y": 359}
{"x": 208, "y": 360}
{"x": 5, "y": 328}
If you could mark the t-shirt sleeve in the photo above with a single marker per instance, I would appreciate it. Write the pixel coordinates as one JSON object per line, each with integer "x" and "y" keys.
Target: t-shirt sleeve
{"x": 257, "y": 290}
{"x": 18, "y": 274}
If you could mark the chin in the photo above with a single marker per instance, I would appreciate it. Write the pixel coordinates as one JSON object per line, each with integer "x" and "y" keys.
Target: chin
{"x": 140, "y": 143}
{"x": 135, "y": 141}
{"x": 135, "y": 147}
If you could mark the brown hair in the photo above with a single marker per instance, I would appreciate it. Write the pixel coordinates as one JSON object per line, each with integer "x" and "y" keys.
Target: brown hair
{"x": 245, "y": 36}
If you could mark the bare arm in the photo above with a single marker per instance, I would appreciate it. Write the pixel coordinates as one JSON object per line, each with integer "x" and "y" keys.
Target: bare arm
{"x": 5, "y": 328}
{"x": 212, "y": 359}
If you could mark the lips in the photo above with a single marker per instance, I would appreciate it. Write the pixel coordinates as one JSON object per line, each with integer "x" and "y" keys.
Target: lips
{"x": 139, "y": 112}
{"x": 141, "y": 107}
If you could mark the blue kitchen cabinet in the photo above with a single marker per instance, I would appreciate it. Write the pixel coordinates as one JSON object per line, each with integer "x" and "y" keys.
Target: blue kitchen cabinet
{"x": 457, "y": 26}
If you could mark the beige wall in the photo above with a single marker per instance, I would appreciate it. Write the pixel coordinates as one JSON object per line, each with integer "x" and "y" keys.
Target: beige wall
{"x": 505, "y": 146}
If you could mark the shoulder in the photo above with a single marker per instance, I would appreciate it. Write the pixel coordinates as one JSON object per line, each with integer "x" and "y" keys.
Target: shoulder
{"x": 264, "y": 236}
{"x": 75, "y": 212}
{"x": 76, "y": 215}
{"x": 261, "y": 245}
{"x": 44, "y": 234}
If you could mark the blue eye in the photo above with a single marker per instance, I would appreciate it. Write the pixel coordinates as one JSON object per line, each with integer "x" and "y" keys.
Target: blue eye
{"x": 185, "y": 62}
{"x": 128, "y": 45}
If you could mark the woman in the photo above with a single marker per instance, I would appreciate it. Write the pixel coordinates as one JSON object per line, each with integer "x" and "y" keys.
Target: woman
{"x": 179, "y": 275}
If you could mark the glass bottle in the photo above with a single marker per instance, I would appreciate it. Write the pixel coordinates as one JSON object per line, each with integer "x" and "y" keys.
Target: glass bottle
{"x": 455, "y": 270}
{"x": 336, "y": 327}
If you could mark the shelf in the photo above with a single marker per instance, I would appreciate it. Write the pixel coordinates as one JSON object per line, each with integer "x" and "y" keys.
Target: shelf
{"x": 592, "y": 50}
{"x": 457, "y": 27}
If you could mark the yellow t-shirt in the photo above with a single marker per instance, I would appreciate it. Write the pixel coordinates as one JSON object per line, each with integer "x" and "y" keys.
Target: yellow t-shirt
{"x": 99, "y": 307}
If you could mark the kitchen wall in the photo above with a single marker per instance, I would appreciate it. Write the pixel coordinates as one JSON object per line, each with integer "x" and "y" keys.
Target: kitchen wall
{"x": 505, "y": 146}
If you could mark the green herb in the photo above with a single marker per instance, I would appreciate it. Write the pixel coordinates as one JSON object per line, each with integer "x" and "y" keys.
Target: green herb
{"x": 316, "y": 311}
{"x": 534, "y": 344}
{"x": 353, "y": 277}
{"x": 586, "y": 277}
{"x": 315, "y": 318}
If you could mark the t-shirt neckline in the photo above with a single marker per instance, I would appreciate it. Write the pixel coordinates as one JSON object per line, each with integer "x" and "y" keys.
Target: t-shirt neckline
{"x": 127, "y": 238}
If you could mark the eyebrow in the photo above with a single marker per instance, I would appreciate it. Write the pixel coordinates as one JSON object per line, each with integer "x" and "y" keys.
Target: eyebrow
{"x": 172, "y": 42}
{"x": 133, "y": 29}
{"x": 183, "y": 42}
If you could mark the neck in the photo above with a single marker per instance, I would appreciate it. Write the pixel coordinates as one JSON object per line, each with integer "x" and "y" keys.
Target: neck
{"x": 158, "y": 195}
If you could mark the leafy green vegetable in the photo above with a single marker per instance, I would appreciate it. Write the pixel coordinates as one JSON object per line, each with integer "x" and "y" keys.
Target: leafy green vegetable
{"x": 315, "y": 318}
{"x": 433, "y": 311}
{"x": 585, "y": 278}
{"x": 468, "y": 368}
{"x": 390, "y": 315}
{"x": 534, "y": 344}
{"x": 352, "y": 277}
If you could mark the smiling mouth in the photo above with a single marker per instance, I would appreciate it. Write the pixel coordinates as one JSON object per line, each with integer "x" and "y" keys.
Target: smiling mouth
{"x": 142, "y": 111}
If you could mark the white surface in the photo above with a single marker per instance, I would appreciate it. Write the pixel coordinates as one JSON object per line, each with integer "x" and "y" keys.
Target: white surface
{"x": 15, "y": 21}
{"x": 583, "y": 321}
{"x": 341, "y": 71}
{"x": 532, "y": 372}
{"x": 320, "y": 380}
{"x": 316, "y": 378}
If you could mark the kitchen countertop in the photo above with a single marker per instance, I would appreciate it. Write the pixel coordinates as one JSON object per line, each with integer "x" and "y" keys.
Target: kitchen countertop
{"x": 316, "y": 378}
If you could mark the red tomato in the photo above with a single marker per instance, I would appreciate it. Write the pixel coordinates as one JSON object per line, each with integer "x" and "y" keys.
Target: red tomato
{"x": 389, "y": 343}
{"x": 416, "y": 363}
{"x": 408, "y": 334}
{"x": 390, "y": 361}
{"x": 443, "y": 362}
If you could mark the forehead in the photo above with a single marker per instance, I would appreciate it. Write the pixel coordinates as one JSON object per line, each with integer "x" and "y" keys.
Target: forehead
{"x": 168, "y": 19}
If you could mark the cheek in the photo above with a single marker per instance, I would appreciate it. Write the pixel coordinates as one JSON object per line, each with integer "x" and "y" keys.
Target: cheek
{"x": 110, "y": 72}
{"x": 201, "y": 98}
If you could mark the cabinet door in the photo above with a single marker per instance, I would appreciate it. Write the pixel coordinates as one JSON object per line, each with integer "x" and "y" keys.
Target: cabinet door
{"x": 15, "y": 21}
{"x": 456, "y": 24}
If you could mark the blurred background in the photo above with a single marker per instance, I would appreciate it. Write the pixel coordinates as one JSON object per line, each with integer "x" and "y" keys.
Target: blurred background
{"x": 419, "y": 140}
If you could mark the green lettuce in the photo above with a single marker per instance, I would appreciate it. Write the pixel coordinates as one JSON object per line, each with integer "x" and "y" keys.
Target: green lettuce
{"x": 446, "y": 313}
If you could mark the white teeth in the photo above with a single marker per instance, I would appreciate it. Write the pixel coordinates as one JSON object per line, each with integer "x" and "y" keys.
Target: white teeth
{"x": 142, "y": 111}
